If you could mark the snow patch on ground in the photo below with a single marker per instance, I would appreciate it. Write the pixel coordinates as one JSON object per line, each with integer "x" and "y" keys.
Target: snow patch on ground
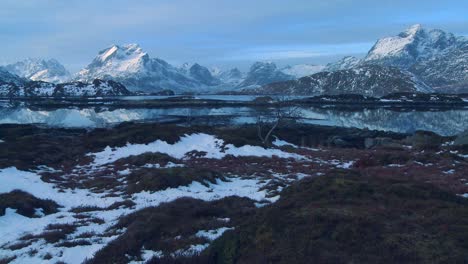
{"x": 195, "y": 142}
{"x": 13, "y": 226}
{"x": 281, "y": 143}
{"x": 13, "y": 179}
{"x": 212, "y": 234}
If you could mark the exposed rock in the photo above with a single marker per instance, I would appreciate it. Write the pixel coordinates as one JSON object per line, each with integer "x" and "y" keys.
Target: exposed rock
{"x": 381, "y": 142}
{"x": 425, "y": 140}
{"x": 461, "y": 139}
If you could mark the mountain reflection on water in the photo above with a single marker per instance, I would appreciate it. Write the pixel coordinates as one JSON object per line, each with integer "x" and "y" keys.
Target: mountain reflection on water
{"x": 448, "y": 122}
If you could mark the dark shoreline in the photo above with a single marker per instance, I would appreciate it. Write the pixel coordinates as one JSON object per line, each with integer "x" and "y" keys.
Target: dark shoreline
{"x": 351, "y": 102}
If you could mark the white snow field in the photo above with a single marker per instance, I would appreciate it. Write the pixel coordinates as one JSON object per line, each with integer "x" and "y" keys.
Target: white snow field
{"x": 13, "y": 226}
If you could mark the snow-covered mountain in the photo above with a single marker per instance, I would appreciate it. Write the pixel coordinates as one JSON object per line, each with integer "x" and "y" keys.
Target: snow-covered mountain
{"x": 436, "y": 57}
{"x": 446, "y": 72}
{"x": 369, "y": 80}
{"x": 230, "y": 78}
{"x": 14, "y": 86}
{"x": 40, "y": 70}
{"x": 301, "y": 70}
{"x": 262, "y": 73}
{"x": 8, "y": 77}
{"x": 411, "y": 46}
{"x": 200, "y": 73}
{"x": 134, "y": 68}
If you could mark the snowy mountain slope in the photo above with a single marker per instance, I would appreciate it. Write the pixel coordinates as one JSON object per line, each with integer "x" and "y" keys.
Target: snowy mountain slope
{"x": 8, "y": 77}
{"x": 96, "y": 88}
{"x": 369, "y": 80}
{"x": 10, "y": 82}
{"x": 200, "y": 74}
{"x": 232, "y": 77}
{"x": 445, "y": 71}
{"x": 345, "y": 63}
{"x": 262, "y": 73}
{"x": 436, "y": 57}
{"x": 40, "y": 70}
{"x": 133, "y": 67}
{"x": 413, "y": 45}
{"x": 73, "y": 89}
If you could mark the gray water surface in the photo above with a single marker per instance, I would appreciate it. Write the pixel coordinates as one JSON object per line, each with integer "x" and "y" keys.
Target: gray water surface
{"x": 448, "y": 122}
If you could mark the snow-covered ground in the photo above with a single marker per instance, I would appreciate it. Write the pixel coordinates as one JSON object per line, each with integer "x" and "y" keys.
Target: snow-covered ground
{"x": 195, "y": 142}
{"x": 14, "y": 226}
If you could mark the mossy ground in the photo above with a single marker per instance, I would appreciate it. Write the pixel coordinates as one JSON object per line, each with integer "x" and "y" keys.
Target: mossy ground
{"x": 351, "y": 219}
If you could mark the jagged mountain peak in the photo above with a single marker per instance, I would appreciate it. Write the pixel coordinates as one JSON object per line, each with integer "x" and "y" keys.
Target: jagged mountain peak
{"x": 125, "y": 58}
{"x": 203, "y": 75}
{"x": 38, "y": 69}
{"x": 186, "y": 66}
{"x": 412, "y": 45}
{"x": 412, "y": 30}
{"x": 263, "y": 65}
{"x": 231, "y": 77}
{"x": 132, "y": 66}
{"x": 114, "y": 50}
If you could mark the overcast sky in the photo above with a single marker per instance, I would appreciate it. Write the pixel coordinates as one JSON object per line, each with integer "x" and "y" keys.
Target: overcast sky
{"x": 214, "y": 32}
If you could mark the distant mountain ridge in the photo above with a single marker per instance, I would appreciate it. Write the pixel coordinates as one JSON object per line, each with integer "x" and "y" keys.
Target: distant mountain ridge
{"x": 40, "y": 70}
{"x": 262, "y": 73}
{"x": 134, "y": 68}
{"x": 12, "y": 85}
{"x": 426, "y": 59}
{"x": 436, "y": 57}
{"x": 368, "y": 80}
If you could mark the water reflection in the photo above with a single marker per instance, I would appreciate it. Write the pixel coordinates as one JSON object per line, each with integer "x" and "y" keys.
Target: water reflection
{"x": 442, "y": 122}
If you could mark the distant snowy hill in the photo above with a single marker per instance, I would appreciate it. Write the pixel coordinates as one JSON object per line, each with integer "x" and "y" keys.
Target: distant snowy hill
{"x": 200, "y": 73}
{"x": 230, "y": 78}
{"x": 40, "y": 70}
{"x": 369, "y": 80}
{"x": 301, "y": 70}
{"x": 262, "y": 73}
{"x": 8, "y": 77}
{"x": 14, "y": 86}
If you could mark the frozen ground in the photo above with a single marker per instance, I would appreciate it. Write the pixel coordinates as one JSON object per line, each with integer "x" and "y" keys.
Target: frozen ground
{"x": 23, "y": 237}
{"x": 112, "y": 182}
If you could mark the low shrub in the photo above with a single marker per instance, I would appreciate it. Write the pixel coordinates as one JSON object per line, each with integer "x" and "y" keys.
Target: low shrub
{"x": 26, "y": 204}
